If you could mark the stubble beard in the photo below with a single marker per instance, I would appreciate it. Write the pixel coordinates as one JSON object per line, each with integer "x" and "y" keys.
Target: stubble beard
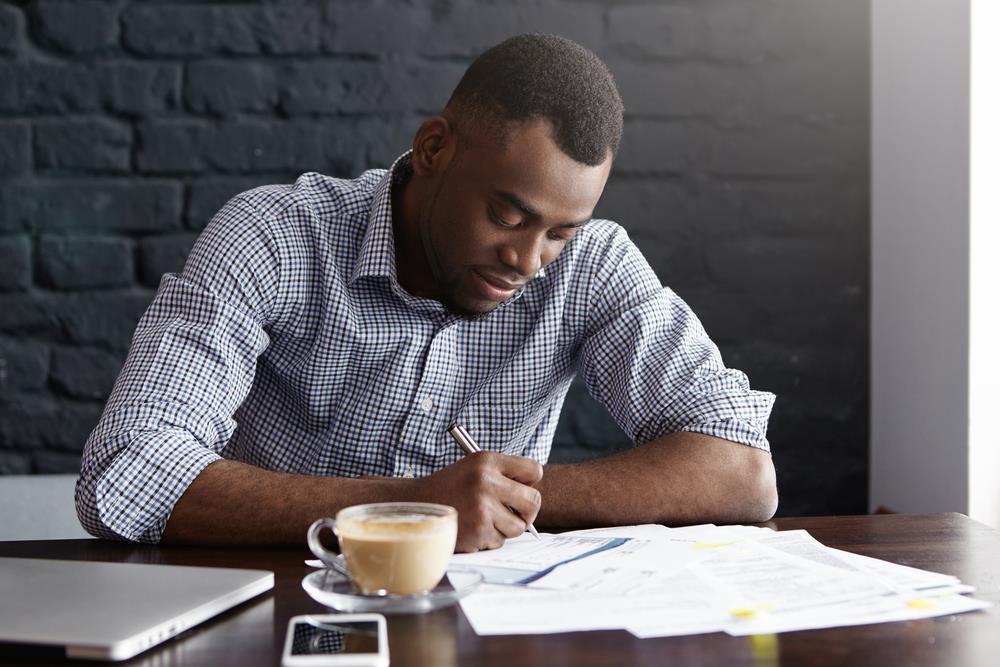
{"x": 448, "y": 286}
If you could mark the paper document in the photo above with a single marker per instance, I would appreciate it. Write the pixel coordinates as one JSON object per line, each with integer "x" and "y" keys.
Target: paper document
{"x": 859, "y": 612}
{"x": 524, "y": 559}
{"x": 899, "y": 578}
{"x": 655, "y": 582}
{"x": 759, "y": 577}
{"x": 647, "y": 531}
{"x": 687, "y": 604}
{"x": 632, "y": 567}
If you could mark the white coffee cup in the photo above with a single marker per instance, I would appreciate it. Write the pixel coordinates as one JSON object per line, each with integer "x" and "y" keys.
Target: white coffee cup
{"x": 395, "y": 548}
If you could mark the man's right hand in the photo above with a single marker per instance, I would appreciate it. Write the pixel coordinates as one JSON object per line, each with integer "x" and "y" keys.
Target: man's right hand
{"x": 484, "y": 487}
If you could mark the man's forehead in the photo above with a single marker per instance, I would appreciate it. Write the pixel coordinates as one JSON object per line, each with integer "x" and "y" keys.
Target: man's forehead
{"x": 503, "y": 139}
{"x": 528, "y": 171}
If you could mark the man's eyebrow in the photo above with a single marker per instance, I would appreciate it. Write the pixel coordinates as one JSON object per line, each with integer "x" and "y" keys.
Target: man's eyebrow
{"x": 520, "y": 204}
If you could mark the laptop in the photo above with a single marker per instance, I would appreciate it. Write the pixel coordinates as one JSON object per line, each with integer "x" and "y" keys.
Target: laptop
{"x": 112, "y": 611}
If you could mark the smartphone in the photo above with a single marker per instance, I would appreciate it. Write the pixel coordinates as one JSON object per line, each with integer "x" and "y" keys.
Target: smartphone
{"x": 337, "y": 640}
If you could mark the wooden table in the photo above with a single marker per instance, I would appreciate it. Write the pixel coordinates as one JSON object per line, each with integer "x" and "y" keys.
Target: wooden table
{"x": 252, "y": 633}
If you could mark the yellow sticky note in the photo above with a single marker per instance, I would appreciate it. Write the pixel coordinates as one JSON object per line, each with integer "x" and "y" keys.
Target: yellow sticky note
{"x": 712, "y": 545}
{"x": 920, "y": 603}
{"x": 743, "y": 612}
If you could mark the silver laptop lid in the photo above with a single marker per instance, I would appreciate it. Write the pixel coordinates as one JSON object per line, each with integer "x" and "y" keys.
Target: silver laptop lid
{"x": 112, "y": 611}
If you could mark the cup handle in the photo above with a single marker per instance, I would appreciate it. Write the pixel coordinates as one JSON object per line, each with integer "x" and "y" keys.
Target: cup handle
{"x": 328, "y": 557}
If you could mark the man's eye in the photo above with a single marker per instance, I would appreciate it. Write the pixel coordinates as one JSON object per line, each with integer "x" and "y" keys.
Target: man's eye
{"x": 500, "y": 221}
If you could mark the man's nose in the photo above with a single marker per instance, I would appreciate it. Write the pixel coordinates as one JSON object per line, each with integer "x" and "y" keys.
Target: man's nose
{"x": 523, "y": 254}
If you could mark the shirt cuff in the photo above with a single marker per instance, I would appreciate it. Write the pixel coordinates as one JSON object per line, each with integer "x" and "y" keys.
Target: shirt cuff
{"x": 137, "y": 493}
{"x": 739, "y": 418}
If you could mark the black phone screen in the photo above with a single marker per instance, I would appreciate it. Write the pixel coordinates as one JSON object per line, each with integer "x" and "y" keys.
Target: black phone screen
{"x": 332, "y": 638}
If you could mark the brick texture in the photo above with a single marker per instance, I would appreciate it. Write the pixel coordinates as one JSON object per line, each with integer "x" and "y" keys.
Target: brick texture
{"x": 15, "y": 148}
{"x": 24, "y": 366}
{"x": 81, "y": 372}
{"x": 15, "y": 263}
{"x": 82, "y": 263}
{"x": 140, "y": 88}
{"x": 11, "y": 27}
{"x": 116, "y": 205}
{"x": 222, "y": 87}
{"x": 191, "y": 30}
{"x": 15, "y": 463}
{"x": 76, "y": 26}
{"x": 163, "y": 254}
{"x": 84, "y": 145}
{"x": 48, "y": 87}
{"x": 743, "y": 177}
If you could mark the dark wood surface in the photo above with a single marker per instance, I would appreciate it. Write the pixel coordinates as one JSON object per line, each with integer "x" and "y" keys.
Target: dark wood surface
{"x": 252, "y": 633}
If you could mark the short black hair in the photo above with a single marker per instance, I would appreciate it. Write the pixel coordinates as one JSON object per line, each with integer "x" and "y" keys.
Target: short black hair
{"x": 537, "y": 76}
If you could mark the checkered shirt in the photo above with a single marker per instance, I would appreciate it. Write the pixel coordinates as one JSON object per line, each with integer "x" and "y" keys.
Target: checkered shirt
{"x": 287, "y": 343}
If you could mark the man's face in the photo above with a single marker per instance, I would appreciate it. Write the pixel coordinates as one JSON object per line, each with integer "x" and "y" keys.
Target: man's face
{"x": 498, "y": 214}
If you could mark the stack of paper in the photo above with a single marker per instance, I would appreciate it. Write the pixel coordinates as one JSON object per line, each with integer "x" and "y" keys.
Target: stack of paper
{"x": 655, "y": 581}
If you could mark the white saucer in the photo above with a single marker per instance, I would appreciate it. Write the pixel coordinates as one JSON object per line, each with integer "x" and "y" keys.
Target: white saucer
{"x": 332, "y": 589}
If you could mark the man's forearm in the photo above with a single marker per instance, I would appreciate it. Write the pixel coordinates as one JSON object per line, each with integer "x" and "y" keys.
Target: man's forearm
{"x": 681, "y": 478}
{"x": 236, "y": 503}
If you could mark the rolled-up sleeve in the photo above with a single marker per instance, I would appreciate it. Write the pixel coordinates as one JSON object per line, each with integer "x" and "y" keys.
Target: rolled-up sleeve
{"x": 648, "y": 359}
{"x": 190, "y": 365}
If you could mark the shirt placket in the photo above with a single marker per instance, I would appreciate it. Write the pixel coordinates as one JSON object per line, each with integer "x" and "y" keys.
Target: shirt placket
{"x": 430, "y": 405}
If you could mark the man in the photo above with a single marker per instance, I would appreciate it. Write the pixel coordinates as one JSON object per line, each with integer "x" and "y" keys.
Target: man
{"x": 324, "y": 335}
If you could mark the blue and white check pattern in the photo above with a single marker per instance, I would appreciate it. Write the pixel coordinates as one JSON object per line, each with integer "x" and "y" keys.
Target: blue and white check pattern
{"x": 287, "y": 343}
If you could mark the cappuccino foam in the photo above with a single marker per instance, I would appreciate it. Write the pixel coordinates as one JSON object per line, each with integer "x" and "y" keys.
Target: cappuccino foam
{"x": 392, "y": 526}
{"x": 401, "y": 554}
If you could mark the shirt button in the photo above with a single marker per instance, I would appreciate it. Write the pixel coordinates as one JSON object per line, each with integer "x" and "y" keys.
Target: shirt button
{"x": 426, "y": 405}
{"x": 408, "y": 473}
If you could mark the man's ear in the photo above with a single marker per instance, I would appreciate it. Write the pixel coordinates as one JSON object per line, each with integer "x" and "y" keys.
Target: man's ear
{"x": 433, "y": 146}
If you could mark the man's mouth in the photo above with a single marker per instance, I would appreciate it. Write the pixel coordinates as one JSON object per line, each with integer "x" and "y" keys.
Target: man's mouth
{"x": 493, "y": 288}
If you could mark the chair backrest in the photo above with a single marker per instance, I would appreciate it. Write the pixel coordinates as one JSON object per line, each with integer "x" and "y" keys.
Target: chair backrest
{"x": 38, "y": 507}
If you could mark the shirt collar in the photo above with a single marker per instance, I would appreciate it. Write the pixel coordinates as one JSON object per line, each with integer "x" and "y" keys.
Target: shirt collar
{"x": 377, "y": 256}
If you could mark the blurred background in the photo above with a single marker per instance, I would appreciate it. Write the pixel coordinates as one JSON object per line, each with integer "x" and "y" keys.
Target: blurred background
{"x": 744, "y": 178}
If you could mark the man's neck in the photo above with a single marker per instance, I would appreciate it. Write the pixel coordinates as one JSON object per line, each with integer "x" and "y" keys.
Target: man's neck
{"x": 412, "y": 271}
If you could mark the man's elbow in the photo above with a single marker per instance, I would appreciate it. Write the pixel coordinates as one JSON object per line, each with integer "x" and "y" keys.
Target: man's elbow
{"x": 762, "y": 490}
{"x": 86, "y": 501}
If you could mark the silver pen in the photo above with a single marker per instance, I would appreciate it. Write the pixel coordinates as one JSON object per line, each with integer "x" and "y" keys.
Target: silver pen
{"x": 469, "y": 446}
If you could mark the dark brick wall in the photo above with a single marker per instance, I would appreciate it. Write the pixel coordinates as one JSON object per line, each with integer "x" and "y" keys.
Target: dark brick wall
{"x": 743, "y": 177}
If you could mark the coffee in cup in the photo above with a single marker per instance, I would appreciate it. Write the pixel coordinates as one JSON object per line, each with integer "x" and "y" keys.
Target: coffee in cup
{"x": 396, "y": 548}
